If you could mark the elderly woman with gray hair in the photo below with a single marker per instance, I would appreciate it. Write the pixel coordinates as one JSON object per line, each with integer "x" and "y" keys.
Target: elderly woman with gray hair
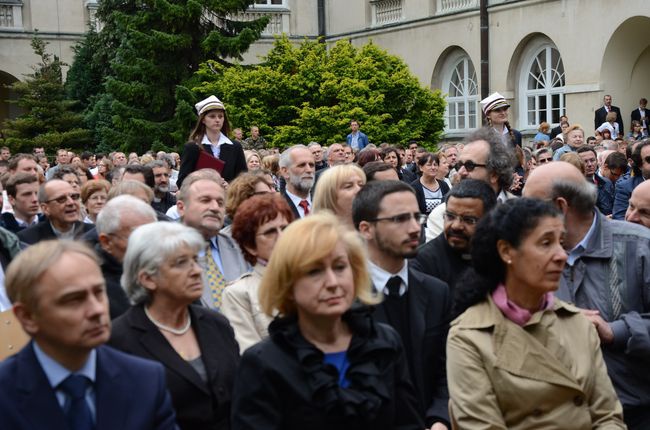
{"x": 197, "y": 346}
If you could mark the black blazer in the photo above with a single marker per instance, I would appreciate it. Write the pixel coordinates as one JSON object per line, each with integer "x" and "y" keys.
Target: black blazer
{"x": 43, "y": 231}
{"x": 283, "y": 383}
{"x": 436, "y": 258}
{"x": 429, "y": 313}
{"x": 198, "y": 405}
{"x": 231, "y": 155}
{"x": 601, "y": 113}
{"x": 636, "y": 116}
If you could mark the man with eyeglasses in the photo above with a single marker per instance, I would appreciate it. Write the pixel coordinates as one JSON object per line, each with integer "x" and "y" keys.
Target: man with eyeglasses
{"x": 640, "y": 172}
{"x": 60, "y": 203}
{"x": 486, "y": 158}
{"x": 543, "y": 156}
{"x": 317, "y": 152}
{"x": 416, "y": 305}
{"x": 447, "y": 256}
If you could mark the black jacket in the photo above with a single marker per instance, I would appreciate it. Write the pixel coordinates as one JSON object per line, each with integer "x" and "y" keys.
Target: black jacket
{"x": 282, "y": 382}
{"x": 198, "y": 405}
{"x": 428, "y": 321}
{"x": 118, "y": 303}
{"x": 43, "y": 231}
{"x": 601, "y": 113}
{"x": 436, "y": 258}
{"x": 419, "y": 193}
{"x": 9, "y": 222}
{"x": 231, "y": 155}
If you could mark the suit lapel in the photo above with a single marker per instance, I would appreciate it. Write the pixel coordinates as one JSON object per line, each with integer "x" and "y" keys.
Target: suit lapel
{"x": 37, "y": 401}
{"x": 209, "y": 353}
{"x": 156, "y": 344}
{"x": 417, "y": 316}
{"x": 113, "y": 399}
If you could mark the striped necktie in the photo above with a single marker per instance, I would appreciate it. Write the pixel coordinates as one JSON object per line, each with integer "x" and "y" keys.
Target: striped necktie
{"x": 215, "y": 278}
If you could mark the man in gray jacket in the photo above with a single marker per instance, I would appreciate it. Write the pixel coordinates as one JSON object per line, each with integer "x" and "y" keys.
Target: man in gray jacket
{"x": 608, "y": 276}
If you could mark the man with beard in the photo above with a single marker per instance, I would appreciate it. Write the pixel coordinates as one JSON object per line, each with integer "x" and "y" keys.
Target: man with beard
{"x": 416, "y": 305}
{"x": 297, "y": 166}
{"x": 162, "y": 198}
{"x": 202, "y": 205}
{"x": 447, "y": 256}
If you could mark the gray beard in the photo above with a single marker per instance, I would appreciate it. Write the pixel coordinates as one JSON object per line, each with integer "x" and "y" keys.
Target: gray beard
{"x": 301, "y": 185}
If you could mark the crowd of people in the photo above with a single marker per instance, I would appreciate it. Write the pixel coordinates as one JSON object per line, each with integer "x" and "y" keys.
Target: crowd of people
{"x": 494, "y": 283}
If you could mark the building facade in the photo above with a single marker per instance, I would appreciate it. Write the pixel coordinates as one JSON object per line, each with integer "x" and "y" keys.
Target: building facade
{"x": 547, "y": 57}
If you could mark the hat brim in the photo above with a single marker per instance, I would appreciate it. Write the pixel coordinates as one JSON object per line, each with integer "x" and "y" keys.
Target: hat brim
{"x": 497, "y": 105}
{"x": 212, "y": 106}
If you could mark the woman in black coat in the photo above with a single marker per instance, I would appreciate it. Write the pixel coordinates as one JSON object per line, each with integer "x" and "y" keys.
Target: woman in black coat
{"x": 196, "y": 345}
{"x": 326, "y": 364}
{"x": 211, "y": 135}
{"x": 429, "y": 190}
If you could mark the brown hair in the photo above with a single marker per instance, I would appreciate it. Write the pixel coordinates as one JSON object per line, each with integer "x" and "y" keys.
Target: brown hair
{"x": 199, "y": 129}
{"x": 91, "y": 187}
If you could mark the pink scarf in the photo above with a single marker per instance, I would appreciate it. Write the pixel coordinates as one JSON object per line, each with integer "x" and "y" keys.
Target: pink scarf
{"x": 515, "y": 313}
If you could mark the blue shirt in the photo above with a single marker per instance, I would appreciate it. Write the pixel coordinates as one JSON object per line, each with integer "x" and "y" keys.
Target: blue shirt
{"x": 340, "y": 361}
{"x": 56, "y": 373}
{"x": 214, "y": 247}
{"x": 580, "y": 248}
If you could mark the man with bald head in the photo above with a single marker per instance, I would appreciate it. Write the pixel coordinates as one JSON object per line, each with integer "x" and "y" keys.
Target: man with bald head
{"x": 607, "y": 275}
{"x": 638, "y": 210}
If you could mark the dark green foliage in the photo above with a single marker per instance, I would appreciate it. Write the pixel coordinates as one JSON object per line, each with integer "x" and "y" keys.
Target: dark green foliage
{"x": 311, "y": 92}
{"x": 50, "y": 119}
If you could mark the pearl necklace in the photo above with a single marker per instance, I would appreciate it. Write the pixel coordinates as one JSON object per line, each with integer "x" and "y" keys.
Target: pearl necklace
{"x": 179, "y": 331}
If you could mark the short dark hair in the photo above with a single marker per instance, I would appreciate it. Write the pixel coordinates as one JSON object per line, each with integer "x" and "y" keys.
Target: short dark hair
{"x": 616, "y": 160}
{"x": 13, "y": 161}
{"x": 511, "y": 222}
{"x": 423, "y": 160}
{"x": 636, "y": 156}
{"x": 366, "y": 204}
{"x": 86, "y": 155}
{"x": 373, "y": 167}
{"x": 146, "y": 171}
{"x": 19, "y": 178}
{"x": 587, "y": 148}
{"x": 475, "y": 189}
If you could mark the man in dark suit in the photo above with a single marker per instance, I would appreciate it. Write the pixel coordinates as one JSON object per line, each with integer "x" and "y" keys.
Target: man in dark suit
{"x": 448, "y": 256}
{"x": 65, "y": 377}
{"x": 601, "y": 113}
{"x": 558, "y": 130}
{"x": 297, "y": 166}
{"x": 61, "y": 205}
{"x": 416, "y": 305}
{"x": 642, "y": 115}
{"x": 22, "y": 190}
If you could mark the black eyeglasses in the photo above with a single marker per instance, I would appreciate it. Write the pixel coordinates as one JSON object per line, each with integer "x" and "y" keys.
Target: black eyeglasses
{"x": 545, "y": 160}
{"x": 467, "y": 220}
{"x": 469, "y": 165}
{"x": 64, "y": 198}
{"x": 403, "y": 218}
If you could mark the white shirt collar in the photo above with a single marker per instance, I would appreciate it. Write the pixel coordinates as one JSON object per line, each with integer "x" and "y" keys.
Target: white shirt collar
{"x": 380, "y": 277}
{"x": 222, "y": 139}
{"x": 296, "y": 201}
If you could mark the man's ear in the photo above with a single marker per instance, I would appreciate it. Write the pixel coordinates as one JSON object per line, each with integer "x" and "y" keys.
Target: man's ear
{"x": 562, "y": 205}
{"x": 180, "y": 205}
{"x": 366, "y": 229}
{"x": 26, "y": 317}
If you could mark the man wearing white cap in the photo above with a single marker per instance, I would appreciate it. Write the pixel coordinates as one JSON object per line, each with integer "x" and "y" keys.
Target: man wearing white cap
{"x": 211, "y": 135}
{"x": 495, "y": 108}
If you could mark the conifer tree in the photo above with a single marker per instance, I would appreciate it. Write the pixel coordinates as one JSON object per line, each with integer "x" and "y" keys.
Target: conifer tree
{"x": 49, "y": 119}
{"x": 143, "y": 55}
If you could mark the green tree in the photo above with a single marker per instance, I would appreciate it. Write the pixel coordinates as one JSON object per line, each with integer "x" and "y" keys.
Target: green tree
{"x": 309, "y": 92}
{"x": 50, "y": 119}
{"x": 137, "y": 64}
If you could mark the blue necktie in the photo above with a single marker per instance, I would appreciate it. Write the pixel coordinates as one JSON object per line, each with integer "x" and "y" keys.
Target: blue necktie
{"x": 77, "y": 412}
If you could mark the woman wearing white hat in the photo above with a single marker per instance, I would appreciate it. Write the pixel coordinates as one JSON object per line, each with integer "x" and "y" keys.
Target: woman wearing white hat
{"x": 210, "y": 135}
{"x": 495, "y": 108}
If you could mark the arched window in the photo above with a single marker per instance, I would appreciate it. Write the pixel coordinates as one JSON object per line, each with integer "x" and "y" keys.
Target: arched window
{"x": 542, "y": 84}
{"x": 462, "y": 100}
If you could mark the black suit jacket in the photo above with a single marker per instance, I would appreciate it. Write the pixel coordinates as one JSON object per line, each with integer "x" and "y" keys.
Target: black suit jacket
{"x": 636, "y": 116}
{"x": 600, "y": 115}
{"x": 555, "y": 131}
{"x": 43, "y": 231}
{"x": 198, "y": 405}
{"x": 436, "y": 258}
{"x": 231, "y": 155}
{"x": 293, "y": 207}
{"x": 429, "y": 313}
{"x": 130, "y": 394}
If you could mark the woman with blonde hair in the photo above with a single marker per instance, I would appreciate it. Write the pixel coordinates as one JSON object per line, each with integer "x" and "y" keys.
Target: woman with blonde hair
{"x": 210, "y": 134}
{"x": 326, "y": 364}
{"x": 336, "y": 188}
{"x": 253, "y": 160}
